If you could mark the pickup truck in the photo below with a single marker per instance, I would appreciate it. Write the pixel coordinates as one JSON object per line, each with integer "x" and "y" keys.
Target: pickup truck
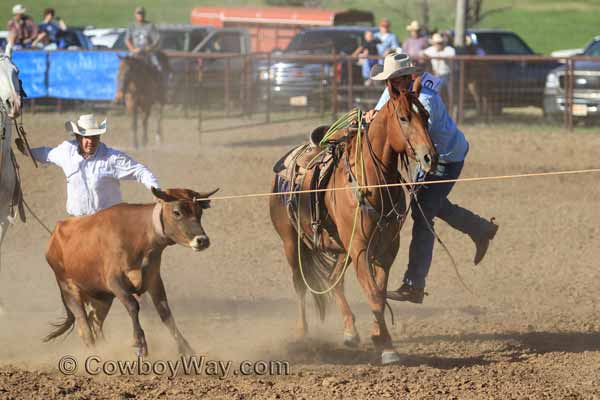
{"x": 506, "y": 83}
{"x": 586, "y": 87}
{"x": 297, "y": 82}
{"x": 194, "y": 80}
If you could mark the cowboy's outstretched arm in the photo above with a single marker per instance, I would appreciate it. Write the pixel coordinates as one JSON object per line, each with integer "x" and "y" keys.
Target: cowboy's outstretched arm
{"x": 49, "y": 155}
{"x": 127, "y": 168}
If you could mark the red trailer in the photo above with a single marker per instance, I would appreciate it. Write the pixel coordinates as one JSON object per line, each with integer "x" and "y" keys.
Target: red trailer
{"x": 273, "y": 27}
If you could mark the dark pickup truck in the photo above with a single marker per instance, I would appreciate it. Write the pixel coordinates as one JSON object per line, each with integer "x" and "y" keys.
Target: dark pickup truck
{"x": 505, "y": 83}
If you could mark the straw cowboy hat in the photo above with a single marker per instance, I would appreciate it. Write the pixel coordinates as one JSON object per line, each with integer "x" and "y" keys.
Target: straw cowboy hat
{"x": 395, "y": 65}
{"x": 86, "y": 125}
{"x": 413, "y": 26}
{"x": 436, "y": 38}
{"x": 19, "y": 9}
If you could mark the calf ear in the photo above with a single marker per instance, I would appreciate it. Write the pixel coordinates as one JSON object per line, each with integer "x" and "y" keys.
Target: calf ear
{"x": 159, "y": 194}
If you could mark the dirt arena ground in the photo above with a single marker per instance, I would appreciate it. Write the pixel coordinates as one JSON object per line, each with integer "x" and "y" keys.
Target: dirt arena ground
{"x": 531, "y": 330}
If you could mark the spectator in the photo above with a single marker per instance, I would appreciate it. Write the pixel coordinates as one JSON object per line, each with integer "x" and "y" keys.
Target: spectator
{"x": 388, "y": 41}
{"x": 415, "y": 44}
{"x": 440, "y": 67}
{"x": 368, "y": 49}
{"x": 49, "y": 28}
{"x": 22, "y": 31}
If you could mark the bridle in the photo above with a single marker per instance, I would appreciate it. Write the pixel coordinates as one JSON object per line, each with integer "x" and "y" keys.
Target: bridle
{"x": 21, "y": 92}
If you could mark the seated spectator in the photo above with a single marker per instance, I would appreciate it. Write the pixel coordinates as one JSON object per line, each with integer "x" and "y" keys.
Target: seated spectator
{"x": 439, "y": 67}
{"x": 416, "y": 43}
{"x": 22, "y": 31}
{"x": 49, "y": 28}
{"x": 368, "y": 49}
{"x": 388, "y": 41}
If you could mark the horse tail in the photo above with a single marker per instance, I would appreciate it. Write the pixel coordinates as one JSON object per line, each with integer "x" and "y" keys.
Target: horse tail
{"x": 63, "y": 326}
{"x": 317, "y": 269}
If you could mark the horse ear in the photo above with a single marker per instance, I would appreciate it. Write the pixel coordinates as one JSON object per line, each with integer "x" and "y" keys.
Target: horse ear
{"x": 391, "y": 91}
{"x": 416, "y": 87}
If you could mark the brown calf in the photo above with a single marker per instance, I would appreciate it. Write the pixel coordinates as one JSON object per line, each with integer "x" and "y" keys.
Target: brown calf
{"x": 116, "y": 253}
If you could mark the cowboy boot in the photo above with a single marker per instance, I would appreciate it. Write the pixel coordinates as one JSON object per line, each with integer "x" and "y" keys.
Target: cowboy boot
{"x": 480, "y": 230}
{"x": 407, "y": 292}
{"x": 482, "y": 240}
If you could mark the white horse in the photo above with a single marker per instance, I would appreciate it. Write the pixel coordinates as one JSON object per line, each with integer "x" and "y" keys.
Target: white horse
{"x": 10, "y": 108}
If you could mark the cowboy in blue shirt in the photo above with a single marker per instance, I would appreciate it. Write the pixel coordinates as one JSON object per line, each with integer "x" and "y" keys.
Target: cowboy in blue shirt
{"x": 452, "y": 147}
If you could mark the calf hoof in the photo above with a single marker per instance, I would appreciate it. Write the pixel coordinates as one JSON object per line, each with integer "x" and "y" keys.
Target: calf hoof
{"x": 351, "y": 340}
{"x": 186, "y": 350}
{"x": 390, "y": 357}
{"x": 141, "y": 350}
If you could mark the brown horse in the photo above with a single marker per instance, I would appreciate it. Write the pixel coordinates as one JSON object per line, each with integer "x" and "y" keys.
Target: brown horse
{"x": 398, "y": 129}
{"x": 142, "y": 88}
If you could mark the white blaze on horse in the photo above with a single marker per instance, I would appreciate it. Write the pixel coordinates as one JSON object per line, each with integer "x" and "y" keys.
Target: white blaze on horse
{"x": 10, "y": 108}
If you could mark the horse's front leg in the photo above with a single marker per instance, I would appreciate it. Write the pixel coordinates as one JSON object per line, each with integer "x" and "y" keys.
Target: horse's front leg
{"x": 375, "y": 288}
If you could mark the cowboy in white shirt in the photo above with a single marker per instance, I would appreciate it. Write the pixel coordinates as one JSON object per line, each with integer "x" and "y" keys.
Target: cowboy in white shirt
{"x": 93, "y": 170}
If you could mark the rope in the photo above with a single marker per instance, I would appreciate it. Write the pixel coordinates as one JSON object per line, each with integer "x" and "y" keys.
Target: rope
{"x": 344, "y": 121}
{"x": 37, "y": 218}
{"x": 402, "y": 184}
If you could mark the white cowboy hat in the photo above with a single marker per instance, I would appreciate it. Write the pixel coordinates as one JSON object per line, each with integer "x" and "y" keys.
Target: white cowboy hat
{"x": 86, "y": 125}
{"x": 413, "y": 26}
{"x": 19, "y": 9}
{"x": 395, "y": 65}
{"x": 436, "y": 38}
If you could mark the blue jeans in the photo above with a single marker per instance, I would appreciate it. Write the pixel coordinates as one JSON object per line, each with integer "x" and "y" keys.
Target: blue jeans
{"x": 434, "y": 202}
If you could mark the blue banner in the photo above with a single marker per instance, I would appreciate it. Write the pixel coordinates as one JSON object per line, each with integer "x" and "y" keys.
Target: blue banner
{"x": 32, "y": 65}
{"x": 84, "y": 75}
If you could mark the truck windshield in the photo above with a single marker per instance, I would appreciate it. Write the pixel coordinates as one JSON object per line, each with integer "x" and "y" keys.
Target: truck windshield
{"x": 325, "y": 42}
{"x": 593, "y": 50}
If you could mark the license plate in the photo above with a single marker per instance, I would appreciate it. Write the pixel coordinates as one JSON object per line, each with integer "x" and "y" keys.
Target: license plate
{"x": 298, "y": 101}
{"x": 580, "y": 110}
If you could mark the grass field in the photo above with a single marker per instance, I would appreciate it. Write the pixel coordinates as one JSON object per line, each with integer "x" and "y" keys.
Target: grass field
{"x": 546, "y": 25}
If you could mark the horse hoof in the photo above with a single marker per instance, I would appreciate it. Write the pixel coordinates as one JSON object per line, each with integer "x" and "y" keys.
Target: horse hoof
{"x": 351, "y": 340}
{"x": 390, "y": 357}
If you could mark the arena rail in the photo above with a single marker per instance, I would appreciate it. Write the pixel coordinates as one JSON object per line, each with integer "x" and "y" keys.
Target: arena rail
{"x": 257, "y": 83}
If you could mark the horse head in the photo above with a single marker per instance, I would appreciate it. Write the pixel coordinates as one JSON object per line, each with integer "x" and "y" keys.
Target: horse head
{"x": 11, "y": 91}
{"x": 407, "y": 126}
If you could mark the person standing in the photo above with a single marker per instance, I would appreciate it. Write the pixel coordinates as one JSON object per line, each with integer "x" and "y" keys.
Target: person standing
{"x": 415, "y": 44}
{"x": 93, "y": 170}
{"x": 440, "y": 67}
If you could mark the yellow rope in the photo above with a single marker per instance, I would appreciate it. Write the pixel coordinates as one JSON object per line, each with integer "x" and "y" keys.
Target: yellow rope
{"x": 357, "y": 156}
{"x": 475, "y": 179}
